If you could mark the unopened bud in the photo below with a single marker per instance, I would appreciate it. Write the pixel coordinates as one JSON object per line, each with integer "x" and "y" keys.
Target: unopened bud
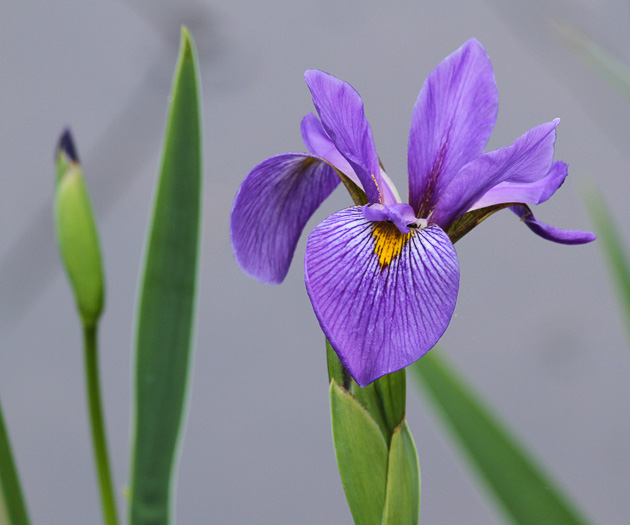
{"x": 76, "y": 233}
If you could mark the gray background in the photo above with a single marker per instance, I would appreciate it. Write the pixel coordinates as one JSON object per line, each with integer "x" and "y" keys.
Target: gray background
{"x": 536, "y": 329}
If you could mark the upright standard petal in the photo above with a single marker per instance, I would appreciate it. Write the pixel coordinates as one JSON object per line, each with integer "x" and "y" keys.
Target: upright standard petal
{"x": 382, "y": 298}
{"x": 271, "y": 209}
{"x": 528, "y": 158}
{"x": 451, "y": 123}
{"x": 549, "y": 232}
{"x": 340, "y": 109}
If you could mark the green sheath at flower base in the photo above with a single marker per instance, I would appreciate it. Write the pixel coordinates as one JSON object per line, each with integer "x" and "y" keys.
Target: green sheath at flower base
{"x": 362, "y": 456}
{"x": 377, "y": 458}
{"x": 76, "y": 233}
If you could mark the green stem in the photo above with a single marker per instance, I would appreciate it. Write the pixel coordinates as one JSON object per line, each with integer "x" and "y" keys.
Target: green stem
{"x": 97, "y": 424}
{"x": 12, "y": 503}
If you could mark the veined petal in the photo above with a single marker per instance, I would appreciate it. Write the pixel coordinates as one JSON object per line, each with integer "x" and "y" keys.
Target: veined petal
{"x": 535, "y": 192}
{"x": 318, "y": 143}
{"x": 271, "y": 209}
{"x": 451, "y": 123}
{"x": 340, "y": 110}
{"x": 400, "y": 215}
{"x": 549, "y": 232}
{"x": 382, "y": 298}
{"x": 526, "y": 159}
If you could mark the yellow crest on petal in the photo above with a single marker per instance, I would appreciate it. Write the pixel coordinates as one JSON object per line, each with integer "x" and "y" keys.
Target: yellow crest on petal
{"x": 388, "y": 242}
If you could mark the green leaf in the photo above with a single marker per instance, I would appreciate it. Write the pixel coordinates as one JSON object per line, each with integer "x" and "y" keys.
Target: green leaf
{"x": 391, "y": 391}
{"x": 361, "y": 455}
{"x": 166, "y": 312}
{"x": 384, "y": 399}
{"x": 613, "y": 246}
{"x": 520, "y": 487}
{"x": 12, "y": 505}
{"x": 336, "y": 370}
{"x": 402, "y": 501}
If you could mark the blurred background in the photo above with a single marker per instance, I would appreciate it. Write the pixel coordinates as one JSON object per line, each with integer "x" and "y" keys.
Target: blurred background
{"x": 537, "y": 327}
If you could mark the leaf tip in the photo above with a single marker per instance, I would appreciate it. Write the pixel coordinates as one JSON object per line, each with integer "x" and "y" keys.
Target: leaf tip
{"x": 186, "y": 42}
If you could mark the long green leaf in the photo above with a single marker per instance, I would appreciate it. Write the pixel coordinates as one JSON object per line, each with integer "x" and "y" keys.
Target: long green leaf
{"x": 166, "y": 313}
{"x": 520, "y": 487}
{"x": 613, "y": 246}
{"x": 402, "y": 501}
{"x": 361, "y": 455}
{"x": 12, "y": 505}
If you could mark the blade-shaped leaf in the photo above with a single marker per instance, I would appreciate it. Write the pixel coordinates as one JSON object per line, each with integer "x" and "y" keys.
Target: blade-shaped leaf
{"x": 12, "y": 505}
{"x": 402, "y": 501}
{"x": 166, "y": 313}
{"x": 613, "y": 246}
{"x": 361, "y": 455}
{"x": 521, "y": 489}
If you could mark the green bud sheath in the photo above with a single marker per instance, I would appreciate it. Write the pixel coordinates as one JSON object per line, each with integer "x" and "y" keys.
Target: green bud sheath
{"x": 76, "y": 233}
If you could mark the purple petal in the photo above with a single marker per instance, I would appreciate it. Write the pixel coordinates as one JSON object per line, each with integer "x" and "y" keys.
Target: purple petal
{"x": 383, "y": 299}
{"x": 526, "y": 159}
{"x": 318, "y": 143}
{"x": 340, "y": 109}
{"x": 549, "y": 232}
{"x": 271, "y": 209}
{"x": 535, "y": 192}
{"x": 399, "y": 214}
{"x": 451, "y": 123}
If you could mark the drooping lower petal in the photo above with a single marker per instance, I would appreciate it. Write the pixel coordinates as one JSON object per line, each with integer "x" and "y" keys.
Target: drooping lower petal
{"x": 382, "y": 298}
{"x": 528, "y": 158}
{"x": 340, "y": 109}
{"x": 271, "y": 209}
{"x": 451, "y": 122}
{"x": 549, "y": 232}
{"x": 535, "y": 192}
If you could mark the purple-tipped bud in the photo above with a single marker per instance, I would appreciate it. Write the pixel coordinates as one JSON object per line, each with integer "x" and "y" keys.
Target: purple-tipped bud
{"x": 76, "y": 233}
{"x": 66, "y": 145}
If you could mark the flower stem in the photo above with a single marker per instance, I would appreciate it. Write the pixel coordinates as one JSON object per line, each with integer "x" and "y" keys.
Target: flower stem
{"x": 12, "y": 505}
{"x": 97, "y": 424}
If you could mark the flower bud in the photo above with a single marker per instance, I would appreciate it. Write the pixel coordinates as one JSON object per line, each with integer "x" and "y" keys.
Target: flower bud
{"x": 76, "y": 233}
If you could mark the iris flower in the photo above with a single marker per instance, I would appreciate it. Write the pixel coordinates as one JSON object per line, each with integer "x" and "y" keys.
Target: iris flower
{"x": 383, "y": 275}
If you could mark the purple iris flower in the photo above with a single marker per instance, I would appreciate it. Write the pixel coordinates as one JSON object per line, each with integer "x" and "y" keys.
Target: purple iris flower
{"x": 383, "y": 276}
